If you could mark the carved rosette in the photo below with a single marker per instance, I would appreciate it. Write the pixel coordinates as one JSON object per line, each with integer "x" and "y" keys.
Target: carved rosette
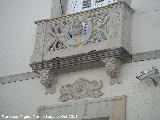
{"x": 82, "y": 88}
{"x": 48, "y": 80}
{"x": 112, "y": 68}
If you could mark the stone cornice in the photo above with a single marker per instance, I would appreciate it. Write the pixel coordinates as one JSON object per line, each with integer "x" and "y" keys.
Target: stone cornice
{"x": 155, "y": 54}
{"x": 18, "y": 77}
{"x": 32, "y": 75}
{"x": 70, "y": 62}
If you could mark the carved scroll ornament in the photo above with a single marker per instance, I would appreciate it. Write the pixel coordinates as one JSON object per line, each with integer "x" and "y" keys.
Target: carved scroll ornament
{"x": 82, "y": 88}
{"x": 48, "y": 80}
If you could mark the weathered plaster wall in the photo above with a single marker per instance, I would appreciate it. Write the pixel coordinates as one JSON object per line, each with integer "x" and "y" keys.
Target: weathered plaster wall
{"x": 56, "y": 8}
{"x": 145, "y": 25}
{"x": 142, "y": 97}
{"x": 17, "y": 33}
{"x": 16, "y": 45}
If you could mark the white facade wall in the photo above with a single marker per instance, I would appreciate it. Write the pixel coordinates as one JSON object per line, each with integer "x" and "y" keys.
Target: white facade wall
{"x": 17, "y": 33}
{"x": 16, "y": 45}
{"x": 145, "y": 25}
{"x": 142, "y": 97}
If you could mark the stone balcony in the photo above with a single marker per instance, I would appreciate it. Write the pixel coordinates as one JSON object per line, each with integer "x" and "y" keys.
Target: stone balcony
{"x": 85, "y": 40}
{"x": 84, "y": 37}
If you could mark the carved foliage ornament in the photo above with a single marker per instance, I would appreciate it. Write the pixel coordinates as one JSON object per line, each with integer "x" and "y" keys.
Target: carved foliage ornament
{"x": 79, "y": 31}
{"x": 82, "y": 88}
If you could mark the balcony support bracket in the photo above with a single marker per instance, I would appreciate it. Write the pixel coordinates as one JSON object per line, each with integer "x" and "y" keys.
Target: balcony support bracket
{"x": 48, "y": 80}
{"x": 112, "y": 68}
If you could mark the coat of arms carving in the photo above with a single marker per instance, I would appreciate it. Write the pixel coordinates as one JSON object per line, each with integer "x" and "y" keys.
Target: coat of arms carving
{"x": 82, "y": 88}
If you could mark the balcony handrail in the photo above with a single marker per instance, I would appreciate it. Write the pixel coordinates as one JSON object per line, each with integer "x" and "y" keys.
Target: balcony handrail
{"x": 83, "y": 12}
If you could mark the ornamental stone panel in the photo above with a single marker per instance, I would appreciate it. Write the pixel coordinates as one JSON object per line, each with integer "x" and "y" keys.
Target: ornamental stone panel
{"x": 81, "y": 88}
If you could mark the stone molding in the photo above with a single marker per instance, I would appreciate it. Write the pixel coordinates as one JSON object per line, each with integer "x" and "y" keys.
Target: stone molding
{"x": 81, "y": 59}
{"x": 18, "y": 77}
{"x": 114, "y": 108}
{"x": 155, "y": 54}
{"x": 81, "y": 88}
{"x": 137, "y": 57}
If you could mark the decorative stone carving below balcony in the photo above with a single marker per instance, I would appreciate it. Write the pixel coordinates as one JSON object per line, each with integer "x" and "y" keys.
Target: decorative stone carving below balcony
{"x": 49, "y": 80}
{"x": 82, "y": 88}
{"x": 112, "y": 68}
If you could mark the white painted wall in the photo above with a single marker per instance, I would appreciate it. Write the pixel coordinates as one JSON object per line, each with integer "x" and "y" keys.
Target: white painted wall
{"x": 16, "y": 44}
{"x": 143, "y": 99}
{"x": 145, "y": 25}
{"x": 17, "y": 33}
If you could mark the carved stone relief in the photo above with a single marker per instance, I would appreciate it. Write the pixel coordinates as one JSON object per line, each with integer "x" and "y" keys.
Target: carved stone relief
{"x": 81, "y": 32}
{"x": 112, "y": 68}
{"x": 48, "y": 80}
{"x": 60, "y": 43}
{"x": 100, "y": 28}
{"x": 81, "y": 29}
{"x": 82, "y": 88}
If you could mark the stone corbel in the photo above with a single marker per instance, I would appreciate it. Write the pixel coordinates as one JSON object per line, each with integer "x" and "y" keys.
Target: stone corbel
{"x": 112, "y": 68}
{"x": 48, "y": 80}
